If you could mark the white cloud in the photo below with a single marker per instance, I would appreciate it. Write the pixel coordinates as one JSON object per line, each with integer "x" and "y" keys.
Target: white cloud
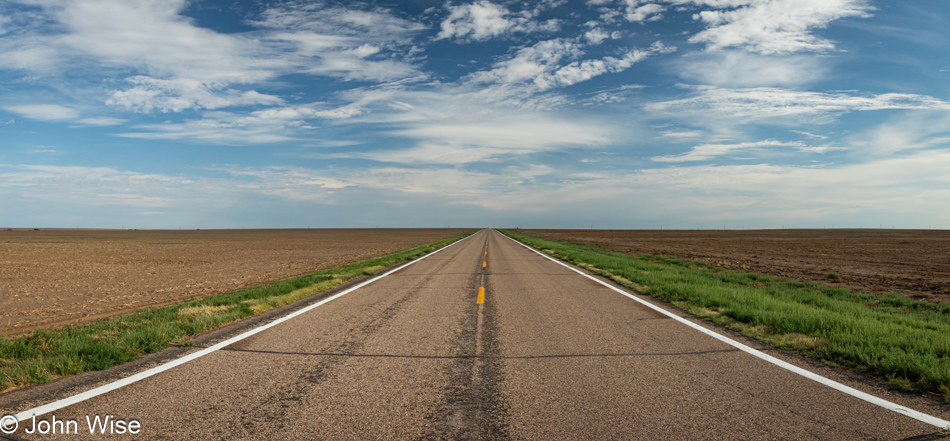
{"x": 455, "y": 124}
{"x": 709, "y": 151}
{"x": 215, "y": 128}
{"x": 151, "y": 35}
{"x": 296, "y": 183}
{"x": 820, "y": 149}
{"x": 99, "y": 121}
{"x": 615, "y": 95}
{"x": 596, "y": 35}
{"x": 640, "y": 11}
{"x": 359, "y": 102}
{"x": 810, "y": 135}
{"x": 683, "y": 135}
{"x": 540, "y": 67}
{"x": 333, "y": 22}
{"x": 173, "y": 65}
{"x": 773, "y": 26}
{"x": 353, "y": 65}
{"x": 910, "y": 186}
{"x": 483, "y": 20}
{"x": 528, "y": 133}
{"x": 393, "y": 185}
{"x": 342, "y": 42}
{"x": 179, "y": 94}
{"x": 913, "y": 131}
{"x": 307, "y": 112}
{"x": 910, "y": 190}
{"x": 761, "y": 26}
{"x": 479, "y": 21}
{"x": 743, "y": 69}
{"x": 91, "y": 186}
{"x": 45, "y": 149}
{"x": 273, "y": 124}
{"x": 44, "y": 112}
{"x": 26, "y": 54}
{"x": 489, "y": 139}
{"x": 763, "y": 103}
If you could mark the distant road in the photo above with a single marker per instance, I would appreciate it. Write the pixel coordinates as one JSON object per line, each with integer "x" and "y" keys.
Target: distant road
{"x": 548, "y": 355}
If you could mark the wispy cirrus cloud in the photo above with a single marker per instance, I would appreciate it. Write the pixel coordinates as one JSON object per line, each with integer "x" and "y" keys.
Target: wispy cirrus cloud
{"x": 214, "y": 128}
{"x": 764, "y": 102}
{"x": 44, "y": 112}
{"x": 706, "y": 152}
{"x": 59, "y": 113}
{"x": 98, "y": 121}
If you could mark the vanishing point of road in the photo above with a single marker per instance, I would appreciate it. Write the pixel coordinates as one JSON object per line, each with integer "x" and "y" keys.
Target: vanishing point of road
{"x": 485, "y": 339}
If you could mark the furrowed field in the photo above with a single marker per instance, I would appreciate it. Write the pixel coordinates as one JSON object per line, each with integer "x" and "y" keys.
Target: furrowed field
{"x": 50, "y": 278}
{"x": 912, "y": 263}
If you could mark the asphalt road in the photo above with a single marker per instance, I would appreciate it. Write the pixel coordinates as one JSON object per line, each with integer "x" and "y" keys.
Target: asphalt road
{"x": 548, "y": 355}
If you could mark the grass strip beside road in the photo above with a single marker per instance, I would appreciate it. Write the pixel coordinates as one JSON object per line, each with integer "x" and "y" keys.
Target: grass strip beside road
{"x": 903, "y": 340}
{"x": 42, "y": 355}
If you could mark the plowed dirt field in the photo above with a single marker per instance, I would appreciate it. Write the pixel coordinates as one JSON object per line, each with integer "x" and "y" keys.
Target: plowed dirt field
{"x": 914, "y": 263}
{"x": 54, "y": 277}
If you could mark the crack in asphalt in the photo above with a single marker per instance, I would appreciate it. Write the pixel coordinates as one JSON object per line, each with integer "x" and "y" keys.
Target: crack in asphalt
{"x": 271, "y": 412}
{"x": 473, "y": 408}
{"x": 485, "y": 357}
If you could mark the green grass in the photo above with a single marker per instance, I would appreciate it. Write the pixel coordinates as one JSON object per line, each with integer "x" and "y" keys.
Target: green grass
{"x": 42, "y": 355}
{"x": 907, "y": 342}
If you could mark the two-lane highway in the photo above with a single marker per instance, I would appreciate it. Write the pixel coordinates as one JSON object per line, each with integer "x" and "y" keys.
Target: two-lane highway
{"x": 549, "y": 354}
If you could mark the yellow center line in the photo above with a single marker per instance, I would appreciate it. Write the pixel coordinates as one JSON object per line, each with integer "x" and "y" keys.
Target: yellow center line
{"x": 481, "y": 289}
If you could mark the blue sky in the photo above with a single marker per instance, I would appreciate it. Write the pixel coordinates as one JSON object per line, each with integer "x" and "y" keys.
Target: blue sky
{"x": 605, "y": 113}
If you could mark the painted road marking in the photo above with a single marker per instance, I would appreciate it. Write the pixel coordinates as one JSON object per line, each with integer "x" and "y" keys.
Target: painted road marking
{"x": 481, "y": 295}
{"x": 919, "y": 416}
{"x": 78, "y": 398}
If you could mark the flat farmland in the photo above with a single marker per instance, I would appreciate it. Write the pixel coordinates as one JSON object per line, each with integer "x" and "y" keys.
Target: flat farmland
{"x": 913, "y": 263}
{"x": 55, "y": 277}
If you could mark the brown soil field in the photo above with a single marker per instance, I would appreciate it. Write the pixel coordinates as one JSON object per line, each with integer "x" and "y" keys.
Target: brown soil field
{"x": 55, "y": 277}
{"x": 913, "y": 263}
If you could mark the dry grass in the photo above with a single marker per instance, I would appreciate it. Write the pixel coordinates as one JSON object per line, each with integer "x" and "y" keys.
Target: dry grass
{"x": 193, "y": 312}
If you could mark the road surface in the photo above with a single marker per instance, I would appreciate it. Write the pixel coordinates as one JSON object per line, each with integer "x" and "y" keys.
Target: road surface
{"x": 549, "y": 354}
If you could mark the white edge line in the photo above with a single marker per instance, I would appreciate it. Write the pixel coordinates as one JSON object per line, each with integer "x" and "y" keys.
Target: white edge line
{"x": 69, "y": 401}
{"x": 919, "y": 416}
